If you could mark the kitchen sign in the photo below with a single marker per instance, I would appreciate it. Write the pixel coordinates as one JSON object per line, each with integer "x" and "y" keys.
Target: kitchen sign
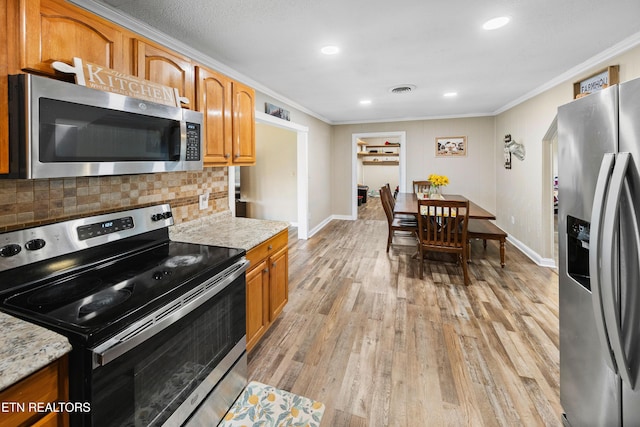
{"x": 596, "y": 82}
{"x": 108, "y": 80}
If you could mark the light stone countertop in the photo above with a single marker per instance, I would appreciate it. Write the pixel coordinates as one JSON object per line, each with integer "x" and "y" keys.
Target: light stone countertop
{"x": 225, "y": 230}
{"x": 25, "y": 348}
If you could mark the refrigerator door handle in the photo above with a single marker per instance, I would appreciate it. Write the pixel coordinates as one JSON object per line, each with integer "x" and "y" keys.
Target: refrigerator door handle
{"x": 595, "y": 250}
{"x": 610, "y": 276}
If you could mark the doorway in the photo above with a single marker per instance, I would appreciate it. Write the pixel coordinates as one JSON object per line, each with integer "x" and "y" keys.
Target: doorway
{"x": 377, "y": 159}
{"x": 269, "y": 188}
{"x": 302, "y": 170}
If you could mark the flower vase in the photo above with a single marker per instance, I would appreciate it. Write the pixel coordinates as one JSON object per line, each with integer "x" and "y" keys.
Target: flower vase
{"x": 434, "y": 192}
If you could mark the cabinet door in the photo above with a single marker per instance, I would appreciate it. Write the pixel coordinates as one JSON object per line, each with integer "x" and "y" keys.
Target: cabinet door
{"x": 213, "y": 93}
{"x": 278, "y": 282}
{"x": 55, "y": 31}
{"x": 164, "y": 67}
{"x": 244, "y": 124}
{"x": 4, "y": 93}
{"x": 257, "y": 303}
{"x": 49, "y": 384}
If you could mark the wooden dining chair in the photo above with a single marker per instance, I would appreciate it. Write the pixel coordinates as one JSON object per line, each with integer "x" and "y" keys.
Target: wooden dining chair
{"x": 421, "y": 186}
{"x": 387, "y": 190}
{"x": 442, "y": 227}
{"x": 392, "y": 201}
{"x": 408, "y": 225}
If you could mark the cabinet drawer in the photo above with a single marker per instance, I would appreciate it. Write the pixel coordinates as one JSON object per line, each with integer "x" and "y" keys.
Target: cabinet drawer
{"x": 268, "y": 247}
{"x": 41, "y": 387}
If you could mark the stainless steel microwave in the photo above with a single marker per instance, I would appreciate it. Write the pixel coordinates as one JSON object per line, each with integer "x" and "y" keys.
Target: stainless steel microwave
{"x": 59, "y": 129}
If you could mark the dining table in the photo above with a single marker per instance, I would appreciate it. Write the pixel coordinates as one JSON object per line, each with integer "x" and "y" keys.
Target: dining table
{"x": 407, "y": 203}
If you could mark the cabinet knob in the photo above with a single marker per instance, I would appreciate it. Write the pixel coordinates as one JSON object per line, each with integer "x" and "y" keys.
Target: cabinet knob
{"x": 266, "y": 270}
{"x": 237, "y": 155}
{"x": 270, "y": 247}
{"x": 274, "y": 265}
{"x": 227, "y": 155}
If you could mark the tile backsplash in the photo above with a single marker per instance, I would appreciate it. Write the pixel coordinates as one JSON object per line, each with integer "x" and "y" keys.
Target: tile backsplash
{"x": 26, "y": 203}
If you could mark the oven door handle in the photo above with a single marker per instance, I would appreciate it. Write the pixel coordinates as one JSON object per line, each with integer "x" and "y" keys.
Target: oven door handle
{"x": 164, "y": 317}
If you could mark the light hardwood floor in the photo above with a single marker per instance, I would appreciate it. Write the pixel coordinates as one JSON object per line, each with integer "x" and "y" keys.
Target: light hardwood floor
{"x": 380, "y": 347}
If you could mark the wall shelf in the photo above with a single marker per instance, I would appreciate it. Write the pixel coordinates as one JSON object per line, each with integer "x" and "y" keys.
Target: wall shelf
{"x": 381, "y": 163}
{"x": 364, "y": 154}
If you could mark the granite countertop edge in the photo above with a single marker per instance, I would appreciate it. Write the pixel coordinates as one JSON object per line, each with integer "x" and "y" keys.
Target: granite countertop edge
{"x": 26, "y": 349}
{"x": 225, "y": 230}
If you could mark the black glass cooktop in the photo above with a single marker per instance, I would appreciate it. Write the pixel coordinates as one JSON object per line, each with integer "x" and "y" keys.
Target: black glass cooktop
{"x": 89, "y": 303}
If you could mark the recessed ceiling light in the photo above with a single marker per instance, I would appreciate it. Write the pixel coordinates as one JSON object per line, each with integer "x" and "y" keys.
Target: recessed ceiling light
{"x": 450, "y": 94}
{"x": 365, "y": 102}
{"x": 330, "y": 50}
{"x": 495, "y": 23}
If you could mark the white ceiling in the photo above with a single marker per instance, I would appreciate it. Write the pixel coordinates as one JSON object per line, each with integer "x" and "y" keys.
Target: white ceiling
{"x": 436, "y": 45}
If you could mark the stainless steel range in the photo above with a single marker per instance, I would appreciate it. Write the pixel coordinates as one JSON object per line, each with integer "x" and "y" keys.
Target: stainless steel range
{"x": 157, "y": 327}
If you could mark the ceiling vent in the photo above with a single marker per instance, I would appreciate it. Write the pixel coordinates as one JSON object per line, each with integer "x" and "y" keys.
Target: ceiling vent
{"x": 402, "y": 89}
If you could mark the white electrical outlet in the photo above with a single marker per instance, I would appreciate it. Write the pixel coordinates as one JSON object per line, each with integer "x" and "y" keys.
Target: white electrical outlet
{"x": 204, "y": 201}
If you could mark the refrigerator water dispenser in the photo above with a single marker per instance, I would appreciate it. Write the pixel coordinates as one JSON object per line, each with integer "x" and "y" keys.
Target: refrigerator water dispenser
{"x": 578, "y": 250}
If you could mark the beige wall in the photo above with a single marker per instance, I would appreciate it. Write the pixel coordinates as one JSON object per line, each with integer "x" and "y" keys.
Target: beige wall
{"x": 473, "y": 175}
{"x": 270, "y": 187}
{"x": 519, "y": 190}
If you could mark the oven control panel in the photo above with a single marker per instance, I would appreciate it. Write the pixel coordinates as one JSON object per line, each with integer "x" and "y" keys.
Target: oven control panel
{"x": 105, "y": 227}
{"x": 26, "y": 246}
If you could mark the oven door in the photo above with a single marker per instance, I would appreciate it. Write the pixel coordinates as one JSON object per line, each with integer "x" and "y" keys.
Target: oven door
{"x": 163, "y": 367}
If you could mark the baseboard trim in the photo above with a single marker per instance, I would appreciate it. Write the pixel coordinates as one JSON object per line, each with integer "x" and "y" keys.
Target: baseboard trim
{"x": 533, "y": 255}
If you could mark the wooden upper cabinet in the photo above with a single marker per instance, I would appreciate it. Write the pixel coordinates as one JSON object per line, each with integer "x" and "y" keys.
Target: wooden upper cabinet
{"x": 213, "y": 92}
{"x": 229, "y": 119}
{"x": 244, "y": 124}
{"x": 53, "y": 30}
{"x": 164, "y": 67}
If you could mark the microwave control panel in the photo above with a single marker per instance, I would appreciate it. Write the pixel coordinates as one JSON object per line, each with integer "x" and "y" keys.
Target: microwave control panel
{"x": 193, "y": 142}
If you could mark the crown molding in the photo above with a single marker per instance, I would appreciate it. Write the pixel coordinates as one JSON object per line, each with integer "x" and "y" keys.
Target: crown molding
{"x": 151, "y": 33}
{"x": 575, "y": 72}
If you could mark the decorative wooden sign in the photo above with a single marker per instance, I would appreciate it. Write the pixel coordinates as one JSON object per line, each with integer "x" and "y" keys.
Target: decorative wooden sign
{"x": 108, "y": 80}
{"x": 598, "y": 81}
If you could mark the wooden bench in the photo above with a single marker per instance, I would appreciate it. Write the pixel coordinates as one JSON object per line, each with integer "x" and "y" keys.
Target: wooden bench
{"x": 486, "y": 230}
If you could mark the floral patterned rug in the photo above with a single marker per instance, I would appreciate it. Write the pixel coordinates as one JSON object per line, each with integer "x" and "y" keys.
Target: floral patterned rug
{"x": 266, "y": 406}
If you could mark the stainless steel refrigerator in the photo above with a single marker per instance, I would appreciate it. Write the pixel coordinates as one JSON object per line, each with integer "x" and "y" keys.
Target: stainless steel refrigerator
{"x": 599, "y": 241}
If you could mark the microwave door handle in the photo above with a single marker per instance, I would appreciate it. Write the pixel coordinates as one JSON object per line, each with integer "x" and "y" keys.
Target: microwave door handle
{"x": 595, "y": 249}
{"x": 610, "y": 273}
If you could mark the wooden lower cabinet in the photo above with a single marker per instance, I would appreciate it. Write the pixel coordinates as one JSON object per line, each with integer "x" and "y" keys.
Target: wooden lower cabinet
{"x": 278, "y": 282}
{"x": 267, "y": 285}
{"x": 257, "y": 302}
{"x": 49, "y": 384}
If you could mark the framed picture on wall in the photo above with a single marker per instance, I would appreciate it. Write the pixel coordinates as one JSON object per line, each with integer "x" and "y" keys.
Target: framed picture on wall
{"x": 451, "y": 146}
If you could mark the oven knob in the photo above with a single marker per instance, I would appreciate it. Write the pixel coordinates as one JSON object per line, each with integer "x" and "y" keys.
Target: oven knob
{"x": 10, "y": 250}
{"x": 167, "y": 215}
{"x": 35, "y": 244}
{"x": 156, "y": 217}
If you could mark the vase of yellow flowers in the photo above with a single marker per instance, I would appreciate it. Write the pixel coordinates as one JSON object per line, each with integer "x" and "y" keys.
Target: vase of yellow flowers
{"x": 437, "y": 181}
